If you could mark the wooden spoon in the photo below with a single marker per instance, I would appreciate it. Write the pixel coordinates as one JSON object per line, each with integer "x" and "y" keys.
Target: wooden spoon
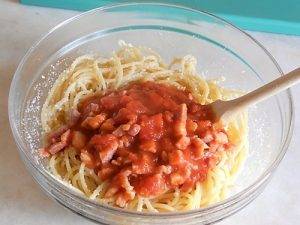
{"x": 224, "y": 110}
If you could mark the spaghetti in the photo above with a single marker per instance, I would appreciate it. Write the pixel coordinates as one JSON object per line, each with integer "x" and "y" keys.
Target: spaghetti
{"x": 89, "y": 76}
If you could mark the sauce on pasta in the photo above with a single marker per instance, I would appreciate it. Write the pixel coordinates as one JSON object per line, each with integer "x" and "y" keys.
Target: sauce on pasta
{"x": 145, "y": 139}
{"x": 130, "y": 130}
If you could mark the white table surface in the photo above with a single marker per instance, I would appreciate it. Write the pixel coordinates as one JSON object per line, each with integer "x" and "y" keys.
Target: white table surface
{"x": 22, "y": 201}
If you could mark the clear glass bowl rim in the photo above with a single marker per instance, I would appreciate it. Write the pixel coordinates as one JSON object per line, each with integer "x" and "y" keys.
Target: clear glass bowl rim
{"x": 207, "y": 210}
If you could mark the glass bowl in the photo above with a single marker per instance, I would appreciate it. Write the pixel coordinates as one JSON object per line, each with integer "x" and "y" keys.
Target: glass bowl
{"x": 221, "y": 50}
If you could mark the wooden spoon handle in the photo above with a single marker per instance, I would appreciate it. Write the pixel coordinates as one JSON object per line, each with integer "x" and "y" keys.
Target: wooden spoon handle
{"x": 226, "y": 109}
{"x": 268, "y": 90}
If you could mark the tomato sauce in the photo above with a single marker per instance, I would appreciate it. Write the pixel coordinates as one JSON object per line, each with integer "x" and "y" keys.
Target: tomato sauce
{"x": 145, "y": 139}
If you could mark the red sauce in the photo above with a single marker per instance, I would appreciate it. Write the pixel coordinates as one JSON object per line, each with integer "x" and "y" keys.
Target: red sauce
{"x": 146, "y": 138}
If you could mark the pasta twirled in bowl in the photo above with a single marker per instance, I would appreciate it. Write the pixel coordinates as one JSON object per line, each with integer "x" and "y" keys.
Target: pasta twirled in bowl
{"x": 134, "y": 132}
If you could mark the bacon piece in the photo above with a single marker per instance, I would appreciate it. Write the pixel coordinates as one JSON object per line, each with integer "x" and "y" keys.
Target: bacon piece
{"x": 54, "y": 135}
{"x": 125, "y": 141}
{"x": 221, "y": 138}
{"x": 180, "y": 122}
{"x": 191, "y": 126}
{"x": 108, "y": 125}
{"x": 204, "y": 125}
{"x": 177, "y": 179}
{"x": 164, "y": 156}
{"x": 79, "y": 140}
{"x": 74, "y": 117}
{"x": 107, "y": 146}
{"x": 111, "y": 191}
{"x": 168, "y": 116}
{"x": 125, "y": 116}
{"x": 94, "y": 122}
{"x": 124, "y": 181}
{"x": 144, "y": 164}
{"x": 66, "y": 137}
{"x": 176, "y": 158}
{"x": 164, "y": 169}
{"x": 106, "y": 172}
{"x": 43, "y": 152}
{"x": 107, "y": 154}
{"x": 119, "y": 132}
{"x": 199, "y": 147}
{"x": 134, "y": 130}
{"x": 91, "y": 109}
{"x": 87, "y": 158}
{"x": 56, "y": 147}
{"x": 167, "y": 144}
{"x": 213, "y": 146}
{"x": 110, "y": 102}
{"x": 125, "y": 127}
{"x": 208, "y": 136}
{"x": 123, "y": 198}
{"x": 149, "y": 146}
{"x": 183, "y": 143}
{"x": 180, "y": 177}
{"x": 121, "y": 182}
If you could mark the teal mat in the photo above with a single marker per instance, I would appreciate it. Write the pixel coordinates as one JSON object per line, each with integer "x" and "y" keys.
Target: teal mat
{"x": 275, "y": 16}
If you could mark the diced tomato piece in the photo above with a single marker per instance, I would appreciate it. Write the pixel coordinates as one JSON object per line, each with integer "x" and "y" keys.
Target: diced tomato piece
{"x": 152, "y": 185}
{"x": 110, "y": 102}
{"x": 156, "y": 100}
{"x": 204, "y": 125}
{"x": 152, "y": 127}
{"x": 125, "y": 115}
{"x": 187, "y": 185}
{"x": 125, "y": 99}
{"x": 176, "y": 158}
{"x": 136, "y": 107}
{"x": 167, "y": 144}
{"x": 103, "y": 140}
{"x": 144, "y": 164}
